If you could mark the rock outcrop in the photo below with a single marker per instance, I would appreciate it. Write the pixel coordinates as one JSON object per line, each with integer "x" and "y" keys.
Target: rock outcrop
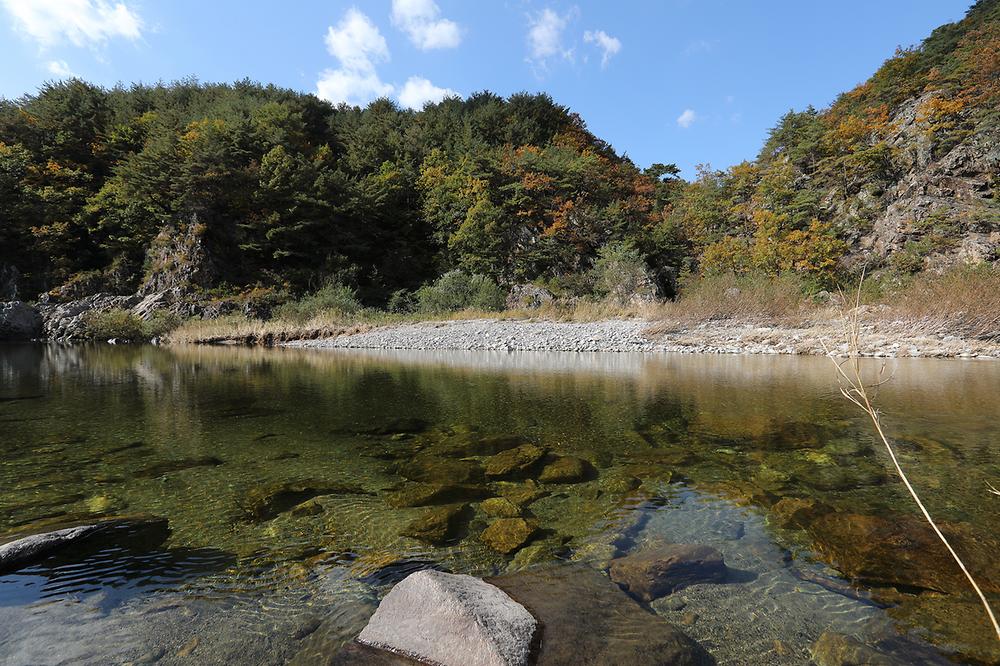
{"x": 452, "y": 620}
{"x": 19, "y": 321}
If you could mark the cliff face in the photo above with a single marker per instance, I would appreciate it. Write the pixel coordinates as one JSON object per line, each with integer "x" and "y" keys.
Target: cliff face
{"x": 943, "y": 208}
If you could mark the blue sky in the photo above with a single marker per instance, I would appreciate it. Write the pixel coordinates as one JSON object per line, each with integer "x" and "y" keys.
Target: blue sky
{"x": 685, "y": 81}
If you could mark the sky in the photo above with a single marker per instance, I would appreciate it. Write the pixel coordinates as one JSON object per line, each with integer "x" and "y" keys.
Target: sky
{"x": 683, "y": 81}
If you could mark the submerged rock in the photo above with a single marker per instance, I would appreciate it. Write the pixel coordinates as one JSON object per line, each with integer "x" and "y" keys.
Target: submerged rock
{"x": 451, "y": 619}
{"x": 469, "y": 444}
{"x": 837, "y": 650}
{"x": 21, "y": 549}
{"x": 586, "y": 619}
{"x": 166, "y": 467}
{"x": 500, "y": 507}
{"x": 514, "y": 462}
{"x": 566, "y": 469}
{"x": 521, "y": 494}
{"x": 903, "y": 551}
{"x": 432, "y": 469}
{"x": 659, "y": 570}
{"x": 438, "y": 525}
{"x": 505, "y": 535}
{"x": 797, "y": 512}
{"x": 269, "y": 501}
{"x": 427, "y": 494}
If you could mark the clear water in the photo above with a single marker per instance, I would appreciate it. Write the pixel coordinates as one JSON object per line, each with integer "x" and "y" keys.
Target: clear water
{"x": 689, "y": 449}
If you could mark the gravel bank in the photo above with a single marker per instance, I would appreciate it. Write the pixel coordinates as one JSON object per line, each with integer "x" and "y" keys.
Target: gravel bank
{"x": 886, "y": 339}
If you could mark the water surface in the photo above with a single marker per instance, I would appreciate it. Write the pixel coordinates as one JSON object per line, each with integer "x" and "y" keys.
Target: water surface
{"x": 688, "y": 449}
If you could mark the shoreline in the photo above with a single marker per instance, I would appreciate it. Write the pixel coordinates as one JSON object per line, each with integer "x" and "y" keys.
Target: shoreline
{"x": 880, "y": 339}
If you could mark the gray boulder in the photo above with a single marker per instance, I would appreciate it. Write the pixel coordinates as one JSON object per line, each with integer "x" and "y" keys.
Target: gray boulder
{"x": 451, "y": 619}
{"x": 528, "y": 296}
{"x": 21, "y": 550}
{"x": 19, "y": 321}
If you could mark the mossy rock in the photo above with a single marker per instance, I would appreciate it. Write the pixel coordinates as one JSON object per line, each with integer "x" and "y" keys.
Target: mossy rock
{"x": 506, "y": 535}
{"x": 440, "y": 524}
{"x": 566, "y": 469}
{"x": 500, "y": 507}
{"x": 522, "y": 494}
{"x": 433, "y": 469}
{"x": 514, "y": 463}
{"x": 428, "y": 494}
{"x": 266, "y": 502}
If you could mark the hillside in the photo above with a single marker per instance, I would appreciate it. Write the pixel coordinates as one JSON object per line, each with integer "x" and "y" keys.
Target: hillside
{"x": 204, "y": 199}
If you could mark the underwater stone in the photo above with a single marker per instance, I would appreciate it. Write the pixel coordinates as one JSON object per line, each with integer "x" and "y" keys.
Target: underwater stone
{"x": 426, "y": 494}
{"x": 500, "y": 507}
{"x": 169, "y": 466}
{"x": 586, "y": 619}
{"x": 566, "y": 469}
{"x": 432, "y": 469}
{"x": 657, "y": 571}
{"x": 437, "y": 525}
{"x": 505, "y": 535}
{"x": 452, "y": 620}
{"x": 796, "y": 512}
{"x": 269, "y": 501}
{"x": 514, "y": 462}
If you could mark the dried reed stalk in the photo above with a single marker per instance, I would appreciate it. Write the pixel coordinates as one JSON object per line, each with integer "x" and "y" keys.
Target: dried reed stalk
{"x": 854, "y": 388}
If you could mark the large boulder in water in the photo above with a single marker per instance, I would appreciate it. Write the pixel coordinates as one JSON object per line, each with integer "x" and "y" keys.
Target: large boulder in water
{"x": 586, "y": 619}
{"x": 654, "y": 572}
{"x": 451, "y": 619}
{"x": 19, "y": 321}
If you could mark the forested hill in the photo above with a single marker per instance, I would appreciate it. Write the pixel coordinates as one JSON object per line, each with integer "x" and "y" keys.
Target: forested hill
{"x": 249, "y": 187}
{"x": 280, "y": 189}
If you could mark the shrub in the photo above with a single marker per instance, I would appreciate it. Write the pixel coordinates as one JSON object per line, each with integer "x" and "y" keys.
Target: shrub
{"x": 620, "y": 274}
{"x": 456, "y": 290}
{"x": 333, "y": 297}
{"x": 120, "y": 324}
{"x": 401, "y": 302}
{"x": 743, "y": 297}
{"x": 964, "y": 301}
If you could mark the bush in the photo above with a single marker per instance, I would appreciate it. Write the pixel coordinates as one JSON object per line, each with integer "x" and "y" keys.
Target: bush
{"x": 401, "y": 302}
{"x": 620, "y": 275}
{"x": 743, "y": 297}
{"x": 120, "y": 324}
{"x": 456, "y": 290}
{"x": 333, "y": 297}
{"x": 963, "y": 301}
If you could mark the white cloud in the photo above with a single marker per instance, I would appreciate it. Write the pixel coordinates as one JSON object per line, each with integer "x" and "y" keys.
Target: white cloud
{"x": 417, "y": 91}
{"x": 60, "y": 69}
{"x": 357, "y": 43}
{"x": 81, "y": 22}
{"x": 420, "y": 19}
{"x": 609, "y": 45}
{"x": 699, "y": 47}
{"x": 545, "y": 32}
{"x": 687, "y": 118}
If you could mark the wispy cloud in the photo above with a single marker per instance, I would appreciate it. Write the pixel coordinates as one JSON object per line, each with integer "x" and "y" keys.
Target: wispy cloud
{"x": 418, "y": 91}
{"x": 700, "y": 47}
{"x": 59, "y": 69}
{"x": 545, "y": 37}
{"x": 79, "y": 22}
{"x": 609, "y": 45}
{"x": 687, "y": 118}
{"x": 357, "y": 43}
{"x": 421, "y": 21}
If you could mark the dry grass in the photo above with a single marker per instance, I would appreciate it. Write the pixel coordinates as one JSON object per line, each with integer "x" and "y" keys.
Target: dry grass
{"x": 964, "y": 301}
{"x": 856, "y": 389}
{"x": 754, "y": 299}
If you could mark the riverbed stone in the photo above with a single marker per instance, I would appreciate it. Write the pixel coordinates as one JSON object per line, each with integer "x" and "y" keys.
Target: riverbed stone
{"x": 171, "y": 466}
{"x": 586, "y": 619}
{"x": 566, "y": 469}
{"x": 500, "y": 507}
{"x": 796, "y": 512}
{"x": 439, "y": 524}
{"x": 656, "y": 571}
{"x": 522, "y": 494}
{"x": 834, "y": 649}
{"x": 452, "y": 620}
{"x": 266, "y": 502}
{"x": 514, "y": 462}
{"x": 428, "y": 494}
{"x": 902, "y": 551}
{"x": 434, "y": 469}
{"x": 506, "y": 535}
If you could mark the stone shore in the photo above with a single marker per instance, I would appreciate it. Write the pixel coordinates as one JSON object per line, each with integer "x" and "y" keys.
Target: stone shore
{"x": 885, "y": 339}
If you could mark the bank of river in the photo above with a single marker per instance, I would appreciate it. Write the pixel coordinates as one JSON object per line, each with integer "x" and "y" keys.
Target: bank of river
{"x": 886, "y": 339}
